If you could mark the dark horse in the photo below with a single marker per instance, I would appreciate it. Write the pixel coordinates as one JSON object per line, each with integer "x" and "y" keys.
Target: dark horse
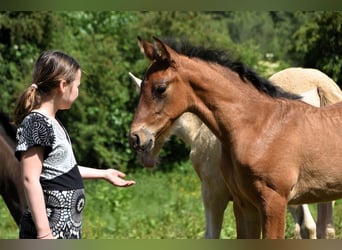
{"x": 275, "y": 150}
{"x": 11, "y": 187}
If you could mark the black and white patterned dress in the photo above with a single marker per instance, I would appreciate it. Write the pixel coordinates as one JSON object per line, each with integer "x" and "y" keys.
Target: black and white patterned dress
{"x": 60, "y": 178}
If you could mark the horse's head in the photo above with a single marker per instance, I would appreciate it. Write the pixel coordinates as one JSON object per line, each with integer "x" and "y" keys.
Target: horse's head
{"x": 162, "y": 100}
{"x": 149, "y": 158}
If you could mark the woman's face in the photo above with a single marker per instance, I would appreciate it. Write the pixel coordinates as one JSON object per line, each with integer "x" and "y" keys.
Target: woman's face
{"x": 71, "y": 91}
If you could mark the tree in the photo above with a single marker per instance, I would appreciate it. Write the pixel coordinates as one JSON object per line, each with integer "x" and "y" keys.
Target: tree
{"x": 22, "y": 35}
{"x": 318, "y": 43}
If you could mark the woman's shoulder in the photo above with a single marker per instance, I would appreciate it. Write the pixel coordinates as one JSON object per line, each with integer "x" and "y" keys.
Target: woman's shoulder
{"x": 35, "y": 118}
{"x": 35, "y": 129}
{"x": 36, "y": 124}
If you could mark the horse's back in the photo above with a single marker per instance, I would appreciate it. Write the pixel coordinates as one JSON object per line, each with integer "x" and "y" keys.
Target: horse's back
{"x": 299, "y": 80}
{"x": 311, "y": 97}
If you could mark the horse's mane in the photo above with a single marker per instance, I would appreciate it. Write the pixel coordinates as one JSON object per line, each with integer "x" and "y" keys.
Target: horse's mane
{"x": 6, "y": 124}
{"x": 224, "y": 58}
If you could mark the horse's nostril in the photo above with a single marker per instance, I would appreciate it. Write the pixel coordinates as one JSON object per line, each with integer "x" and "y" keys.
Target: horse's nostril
{"x": 135, "y": 141}
{"x": 149, "y": 144}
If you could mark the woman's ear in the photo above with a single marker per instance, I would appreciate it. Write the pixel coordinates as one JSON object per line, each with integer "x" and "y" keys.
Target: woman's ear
{"x": 61, "y": 86}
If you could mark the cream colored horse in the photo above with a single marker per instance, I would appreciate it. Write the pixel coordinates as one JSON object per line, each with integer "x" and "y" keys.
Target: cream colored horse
{"x": 206, "y": 149}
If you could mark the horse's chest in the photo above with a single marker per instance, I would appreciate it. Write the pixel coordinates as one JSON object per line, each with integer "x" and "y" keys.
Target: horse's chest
{"x": 263, "y": 159}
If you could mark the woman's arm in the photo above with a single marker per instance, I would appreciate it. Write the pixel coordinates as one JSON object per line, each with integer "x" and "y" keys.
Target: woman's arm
{"x": 113, "y": 176}
{"x": 31, "y": 161}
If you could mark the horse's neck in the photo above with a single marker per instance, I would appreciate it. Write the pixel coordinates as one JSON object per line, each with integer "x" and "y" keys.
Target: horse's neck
{"x": 9, "y": 140}
{"x": 187, "y": 127}
{"x": 220, "y": 93}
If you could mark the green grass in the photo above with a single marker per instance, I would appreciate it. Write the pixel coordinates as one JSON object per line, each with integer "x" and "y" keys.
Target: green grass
{"x": 159, "y": 206}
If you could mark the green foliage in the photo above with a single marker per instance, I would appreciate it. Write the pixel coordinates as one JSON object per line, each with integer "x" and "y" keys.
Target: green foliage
{"x": 21, "y": 34}
{"x": 8, "y": 227}
{"x": 319, "y": 43}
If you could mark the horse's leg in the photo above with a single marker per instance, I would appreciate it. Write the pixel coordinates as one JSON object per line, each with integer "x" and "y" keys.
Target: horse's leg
{"x": 325, "y": 220}
{"x": 273, "y": 212}
{"x": 215, "y": 200}
{"x": 305, "y": 225}
{"x": 248, "y": 224}
{"x": 308, "y": 225}
{"x": 215, "y": 194}
{"x": 297, "y": 215}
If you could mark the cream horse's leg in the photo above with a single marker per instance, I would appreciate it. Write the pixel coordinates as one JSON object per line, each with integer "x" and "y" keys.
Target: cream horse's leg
{"x": 215, "y": 200}
{"x": 205, "y": 157}
{"x": 305, "y": 225}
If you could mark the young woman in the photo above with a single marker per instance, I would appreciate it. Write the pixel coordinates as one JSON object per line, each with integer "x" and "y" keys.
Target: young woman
{"x": 52, "y": 179}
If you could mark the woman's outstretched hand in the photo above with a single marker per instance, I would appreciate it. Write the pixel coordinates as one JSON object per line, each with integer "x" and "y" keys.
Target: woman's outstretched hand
{"x": 115, "y": 177}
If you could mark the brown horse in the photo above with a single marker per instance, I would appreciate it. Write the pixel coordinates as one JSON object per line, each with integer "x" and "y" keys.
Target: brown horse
{"x": 11, "y": 187}
{"x": 281, "y": 149}
{"x": 205, "y": 157}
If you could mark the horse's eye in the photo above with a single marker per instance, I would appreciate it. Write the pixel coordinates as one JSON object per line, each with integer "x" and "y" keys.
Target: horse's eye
{"x": 160, "y": 89}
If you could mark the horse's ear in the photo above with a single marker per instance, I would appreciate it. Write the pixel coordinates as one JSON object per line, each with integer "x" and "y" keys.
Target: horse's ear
{"x": 162, "y": 50}
{"x": 146, "y": 48}
{"x": 157, "y": 51}
{"x": 135, "y": 79}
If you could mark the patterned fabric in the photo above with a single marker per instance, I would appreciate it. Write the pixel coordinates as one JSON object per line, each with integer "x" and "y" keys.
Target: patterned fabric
{"x": 34, "y": 130}
{"x": 64, "y": 211}
{"x": 38, "y": 130}
{"x": 60, "y": 177}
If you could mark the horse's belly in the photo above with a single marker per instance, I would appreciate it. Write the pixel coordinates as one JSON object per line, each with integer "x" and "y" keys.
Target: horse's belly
{"x": 320, "y": 169}
{"x": 314, "y": 190}
{"x": 314, "y": 198}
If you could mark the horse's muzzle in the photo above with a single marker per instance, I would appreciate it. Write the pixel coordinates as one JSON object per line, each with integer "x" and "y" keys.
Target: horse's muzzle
{"x": 141, "y": 140}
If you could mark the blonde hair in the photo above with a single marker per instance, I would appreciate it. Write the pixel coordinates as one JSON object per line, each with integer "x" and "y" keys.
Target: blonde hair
{"x": 50, "y": 68}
